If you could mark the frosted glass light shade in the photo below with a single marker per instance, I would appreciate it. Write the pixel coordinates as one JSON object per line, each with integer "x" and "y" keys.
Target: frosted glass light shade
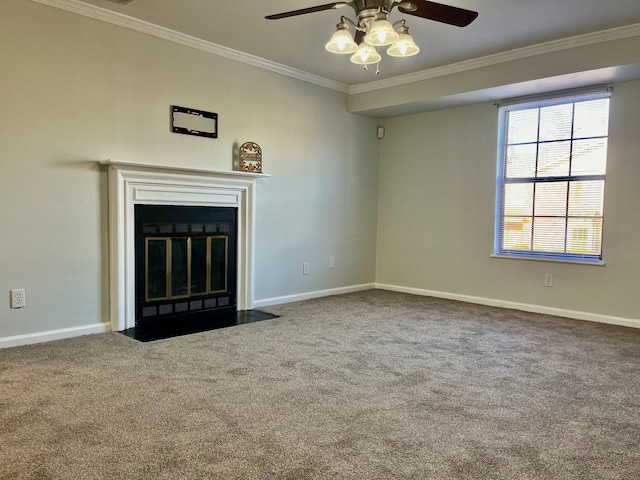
{"x": 381, "y": 32}
{"x": 365, "y": 55}
{"x": 404, "y": 46}
{"x": 341, "y": 42}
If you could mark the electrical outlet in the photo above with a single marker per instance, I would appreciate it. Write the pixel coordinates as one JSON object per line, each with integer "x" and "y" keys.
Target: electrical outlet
{"x": 17, "y": 298}
{"x": 548, "y": 279}
{"x": 332, "y": 262}
{"x": 305, "y": 268}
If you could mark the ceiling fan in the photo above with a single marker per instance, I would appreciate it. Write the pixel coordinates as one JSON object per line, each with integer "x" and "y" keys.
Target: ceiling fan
{"x": 373, "y": 28}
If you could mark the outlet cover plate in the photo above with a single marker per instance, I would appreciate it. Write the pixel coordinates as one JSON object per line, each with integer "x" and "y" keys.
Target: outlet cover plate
{"x": 17, "y": 298}
{"x": 548, "y": 279}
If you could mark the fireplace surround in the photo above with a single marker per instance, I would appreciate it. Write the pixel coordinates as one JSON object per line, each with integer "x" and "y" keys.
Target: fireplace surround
{"x": 132, "y": 184}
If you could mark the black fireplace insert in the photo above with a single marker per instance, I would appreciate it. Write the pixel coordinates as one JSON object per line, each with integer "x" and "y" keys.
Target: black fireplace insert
{"x": 185, "y": 263}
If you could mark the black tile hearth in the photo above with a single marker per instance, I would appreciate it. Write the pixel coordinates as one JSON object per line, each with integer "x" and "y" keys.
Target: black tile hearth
{"x": 176, "y": 329}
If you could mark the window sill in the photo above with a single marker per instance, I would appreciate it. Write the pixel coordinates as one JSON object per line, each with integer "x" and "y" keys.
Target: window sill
{"x": 597, "y": 263}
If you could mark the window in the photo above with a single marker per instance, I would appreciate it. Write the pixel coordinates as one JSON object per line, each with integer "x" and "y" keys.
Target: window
{"x": 551, "y": 178}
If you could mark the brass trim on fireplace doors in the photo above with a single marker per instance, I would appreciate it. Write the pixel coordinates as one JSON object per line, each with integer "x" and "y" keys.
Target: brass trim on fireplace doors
{"x": 169, "y": 267}
{"x": 226, "y": 263}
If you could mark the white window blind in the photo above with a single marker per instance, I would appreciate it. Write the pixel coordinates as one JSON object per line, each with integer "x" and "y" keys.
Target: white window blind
{"x": 551, "y": 178}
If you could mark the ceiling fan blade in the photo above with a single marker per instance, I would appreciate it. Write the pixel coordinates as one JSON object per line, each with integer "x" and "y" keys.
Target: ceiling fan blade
{"x": 459, "y": 17}
{"x": 303, "y": 11}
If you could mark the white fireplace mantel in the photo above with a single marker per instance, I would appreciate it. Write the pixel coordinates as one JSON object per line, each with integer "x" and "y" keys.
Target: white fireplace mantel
{"x": 138, "y": 183}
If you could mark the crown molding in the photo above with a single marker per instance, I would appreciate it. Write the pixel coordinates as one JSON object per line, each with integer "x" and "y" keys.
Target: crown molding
{"x": 494, "y": 59}
{"x": 126, "y": 21}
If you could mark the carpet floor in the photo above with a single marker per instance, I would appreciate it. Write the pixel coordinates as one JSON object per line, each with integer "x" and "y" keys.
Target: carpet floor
{"x": 369, "y": 385}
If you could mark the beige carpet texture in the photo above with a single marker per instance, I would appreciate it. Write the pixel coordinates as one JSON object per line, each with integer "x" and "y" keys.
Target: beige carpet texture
{"x": 369, "y": 385}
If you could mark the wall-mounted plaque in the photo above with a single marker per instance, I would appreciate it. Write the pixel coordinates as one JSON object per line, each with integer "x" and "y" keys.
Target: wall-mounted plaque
{"x": 250, "y": 157}
{"x": 190, "y": 121}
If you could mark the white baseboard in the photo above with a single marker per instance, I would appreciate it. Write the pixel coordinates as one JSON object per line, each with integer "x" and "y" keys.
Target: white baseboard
{"x": 265, "y": 302}
{"x": 525, "y": 307}
{"x": 50, "y": 335}
{"x": 39, "y": 337}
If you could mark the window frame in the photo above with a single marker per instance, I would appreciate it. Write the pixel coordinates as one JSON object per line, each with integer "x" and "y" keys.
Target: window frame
{"x": 541, "y": 101}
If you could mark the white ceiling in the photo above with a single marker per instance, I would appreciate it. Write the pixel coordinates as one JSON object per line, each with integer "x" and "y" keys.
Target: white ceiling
{"x": 299, "y": 41}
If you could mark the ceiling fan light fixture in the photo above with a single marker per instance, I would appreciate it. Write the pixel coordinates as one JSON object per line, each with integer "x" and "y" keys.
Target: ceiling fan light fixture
{"x": 341, "y": 42}
{"x": 365, "y": 55}
{"x": 373, "y": 29}
{"x": 381, "y": 32}
{"x": 404, "y": 46}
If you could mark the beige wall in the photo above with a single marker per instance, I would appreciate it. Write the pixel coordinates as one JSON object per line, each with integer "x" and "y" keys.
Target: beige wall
{"x": 76, "y": 90}
{"x": 436, "y": 214}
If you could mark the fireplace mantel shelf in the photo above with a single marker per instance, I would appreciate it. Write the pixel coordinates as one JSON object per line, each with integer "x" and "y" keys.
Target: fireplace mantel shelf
{"x": 188, "y": 170}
